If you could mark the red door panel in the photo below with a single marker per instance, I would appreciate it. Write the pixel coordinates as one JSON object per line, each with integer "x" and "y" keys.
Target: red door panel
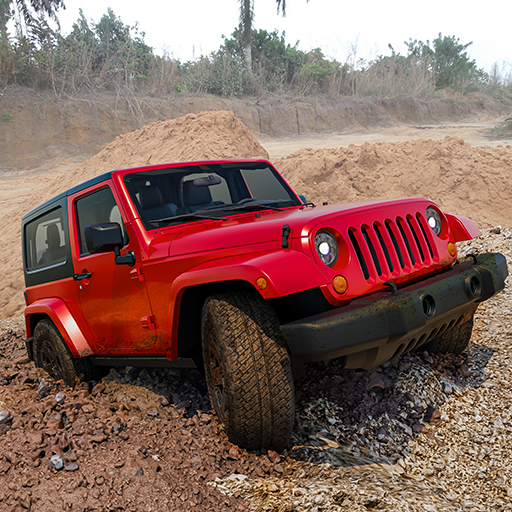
{"x": 113, "y": 300}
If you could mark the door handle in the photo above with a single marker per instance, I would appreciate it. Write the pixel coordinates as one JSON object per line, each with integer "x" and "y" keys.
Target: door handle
{"x": 83, "y": 275}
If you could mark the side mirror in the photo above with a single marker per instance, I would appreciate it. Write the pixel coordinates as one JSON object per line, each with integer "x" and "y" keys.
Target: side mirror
{"x": 108, "y": 237}
{"x": 303, "y": 198}
{"x": 103, "y": 237}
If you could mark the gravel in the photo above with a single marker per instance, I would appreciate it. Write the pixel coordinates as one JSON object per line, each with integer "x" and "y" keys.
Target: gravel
{"x": 423, "y": 432}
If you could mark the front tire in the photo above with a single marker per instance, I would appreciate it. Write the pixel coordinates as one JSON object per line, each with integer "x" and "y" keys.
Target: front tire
{"x": 248, "y": 370}
{"x": 455, "y": 341}
{"x": 53, "y": 356}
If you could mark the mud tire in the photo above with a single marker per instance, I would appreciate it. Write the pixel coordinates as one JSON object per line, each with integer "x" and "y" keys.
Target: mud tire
{"x": 455, "y": 341}
{"x": 52, "y": 355}
{"x": 248, "y": 370}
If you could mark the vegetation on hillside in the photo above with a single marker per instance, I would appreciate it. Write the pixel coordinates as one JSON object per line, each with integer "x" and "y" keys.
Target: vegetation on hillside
{"x": 109, "y": 55}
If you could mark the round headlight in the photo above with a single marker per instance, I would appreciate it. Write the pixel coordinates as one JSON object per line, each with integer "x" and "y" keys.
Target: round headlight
{"x": 434, "y": 220}
{"x": 326, "y": 247}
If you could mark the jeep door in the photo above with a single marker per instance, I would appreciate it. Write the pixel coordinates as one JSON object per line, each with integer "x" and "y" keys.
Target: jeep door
{"x": 113, "y": 300}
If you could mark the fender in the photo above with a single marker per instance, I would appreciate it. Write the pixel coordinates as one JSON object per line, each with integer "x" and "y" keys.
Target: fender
{"x": 286, "y": 272}
{"x": 462, "y": 228}
{"x": 60, "y": 315}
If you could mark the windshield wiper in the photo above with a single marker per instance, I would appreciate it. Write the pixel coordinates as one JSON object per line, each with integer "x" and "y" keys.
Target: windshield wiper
{"x": 252, "y": 207}
{"x": 185, "y": 217}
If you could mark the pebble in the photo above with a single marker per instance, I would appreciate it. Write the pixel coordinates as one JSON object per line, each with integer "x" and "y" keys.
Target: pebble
{"x": 99, "y": 438}
{"x": 60, "y": 397}
{"x": 5, "y": 417}
{"x": 56, "y": 462}
{"x": 43, "y": 390}
{"x": 71, "y": 466}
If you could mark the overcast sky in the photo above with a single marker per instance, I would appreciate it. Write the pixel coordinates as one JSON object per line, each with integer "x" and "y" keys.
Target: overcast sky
{"x": 187, "y": 29}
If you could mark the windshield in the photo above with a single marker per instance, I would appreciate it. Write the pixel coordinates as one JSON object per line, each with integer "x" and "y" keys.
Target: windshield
{"x": 213, "y": 191}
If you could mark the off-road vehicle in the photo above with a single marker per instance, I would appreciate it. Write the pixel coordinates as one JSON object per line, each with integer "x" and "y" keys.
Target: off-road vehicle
{"x": 221, "y": 262}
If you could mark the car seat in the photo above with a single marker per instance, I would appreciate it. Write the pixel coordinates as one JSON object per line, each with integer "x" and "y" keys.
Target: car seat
{"x": 152, "y": 204}
{"x": 55, "y": 252}
{"x": 195, "y": 198}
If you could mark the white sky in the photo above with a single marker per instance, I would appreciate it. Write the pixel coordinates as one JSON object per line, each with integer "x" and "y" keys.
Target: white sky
{"x": 187, "y": 29}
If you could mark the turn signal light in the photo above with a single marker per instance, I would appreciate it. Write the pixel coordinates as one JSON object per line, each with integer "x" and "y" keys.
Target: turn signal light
{"x": 339, "y": 284}
{"x": 261, "y": 283}
{"x": 452, "y": 249}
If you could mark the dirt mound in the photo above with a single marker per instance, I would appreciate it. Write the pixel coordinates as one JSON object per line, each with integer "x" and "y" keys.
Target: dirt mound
{"x": 462, "y": 179}
{"x": 208, "y": 135}
{"x": 205, "y": 136}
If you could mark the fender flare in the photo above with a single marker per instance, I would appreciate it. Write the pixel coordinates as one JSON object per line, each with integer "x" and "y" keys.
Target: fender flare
{"x": 57, "y": 310}
{"x": 462, "y": 228}
{"x": 286, "y": 272}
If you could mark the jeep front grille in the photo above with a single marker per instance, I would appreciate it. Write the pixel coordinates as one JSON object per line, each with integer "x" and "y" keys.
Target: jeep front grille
{"x": 394, "y": 247}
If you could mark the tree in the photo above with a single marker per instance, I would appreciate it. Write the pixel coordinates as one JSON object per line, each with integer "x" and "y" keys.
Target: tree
{"x": 26, "y": 8}
{"x": 448, "y": 61}
{"x": 246, "y": 19}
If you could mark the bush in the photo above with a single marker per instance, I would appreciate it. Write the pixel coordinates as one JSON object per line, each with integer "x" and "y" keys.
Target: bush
{"x": 110, "y": 55}
{"x": 448, "y": 61}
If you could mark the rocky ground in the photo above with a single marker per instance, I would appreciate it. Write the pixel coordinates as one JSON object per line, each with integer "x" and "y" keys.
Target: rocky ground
{"x": 423, "y": 432}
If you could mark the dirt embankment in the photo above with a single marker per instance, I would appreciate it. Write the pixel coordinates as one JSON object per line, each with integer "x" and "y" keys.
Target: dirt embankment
{"x": 37, "y": 128}
{"x": 208, "y": 135}
{"x": 462, "y": 179}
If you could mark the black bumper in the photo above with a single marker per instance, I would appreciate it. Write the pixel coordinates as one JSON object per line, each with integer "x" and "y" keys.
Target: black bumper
{"x": 373, "y": 329}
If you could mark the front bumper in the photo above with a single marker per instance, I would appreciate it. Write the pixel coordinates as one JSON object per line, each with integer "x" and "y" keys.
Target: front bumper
{"x": 378, "y": 327}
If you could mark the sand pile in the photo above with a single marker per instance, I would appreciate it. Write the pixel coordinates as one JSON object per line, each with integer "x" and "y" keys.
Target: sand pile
{"x": 463, "y": 179}
{"x": 204, "y": 136}
{"x": 468, "y": 180}
{"x": 208, "y": 135}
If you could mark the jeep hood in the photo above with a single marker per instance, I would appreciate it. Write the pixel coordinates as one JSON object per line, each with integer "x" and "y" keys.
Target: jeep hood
{"x": 256, "y": 228}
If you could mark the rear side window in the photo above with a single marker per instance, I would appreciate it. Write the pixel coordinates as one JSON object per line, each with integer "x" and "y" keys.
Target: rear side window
{"x": 45, "y": 241}
{"x": 97, "y": 208}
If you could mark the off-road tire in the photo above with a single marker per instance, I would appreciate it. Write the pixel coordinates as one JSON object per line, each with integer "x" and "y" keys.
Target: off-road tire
{"x": 52, "y": 355}
{"x": 455, "y": 341}
{"x": 248, "y": 370}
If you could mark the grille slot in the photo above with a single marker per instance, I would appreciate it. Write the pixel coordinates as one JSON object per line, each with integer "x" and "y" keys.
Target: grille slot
{"x": 372, "y": 250}
{"x": 395, "y": 244}
{"x": 382, "y": 249}
{"x": 359, "y": 254}
{"x": 406, "y": 240}
{"x": 419, "y": 219}
{"x": 416, "y": 239}
{"x": 376, "y": 227}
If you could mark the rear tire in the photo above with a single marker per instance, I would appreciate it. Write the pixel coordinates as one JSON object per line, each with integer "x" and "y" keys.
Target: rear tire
{"x": 455, "y": 341}
{"x": 53, "y": 356}
{"x": 248, "y": 370}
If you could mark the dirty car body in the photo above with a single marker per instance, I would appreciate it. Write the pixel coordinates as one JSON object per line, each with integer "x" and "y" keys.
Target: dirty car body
{"x": 125, "y": 267}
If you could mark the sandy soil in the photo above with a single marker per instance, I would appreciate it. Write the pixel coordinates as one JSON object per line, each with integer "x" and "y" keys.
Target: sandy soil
{"x": 472, "y": 131}
{"x": 403, "y": 161}
{"x": 424, "y": 432}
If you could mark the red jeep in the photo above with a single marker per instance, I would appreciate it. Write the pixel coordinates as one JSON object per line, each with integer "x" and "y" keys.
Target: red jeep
{"x": 221, "y": 261}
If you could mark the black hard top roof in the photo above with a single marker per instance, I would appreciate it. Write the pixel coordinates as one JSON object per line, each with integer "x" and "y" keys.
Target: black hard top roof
{"x": 48, "y": 204}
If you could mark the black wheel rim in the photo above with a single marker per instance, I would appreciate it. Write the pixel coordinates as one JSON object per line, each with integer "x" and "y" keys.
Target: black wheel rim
{"x": 50, "y": 361}
{"x": 217, "y": 380}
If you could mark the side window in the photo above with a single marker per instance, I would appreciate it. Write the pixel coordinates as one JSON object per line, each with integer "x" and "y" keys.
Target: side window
{"x": 45, "y": 241}
{"x": 97, "y": 208}
{"x": 263, "y": 184}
